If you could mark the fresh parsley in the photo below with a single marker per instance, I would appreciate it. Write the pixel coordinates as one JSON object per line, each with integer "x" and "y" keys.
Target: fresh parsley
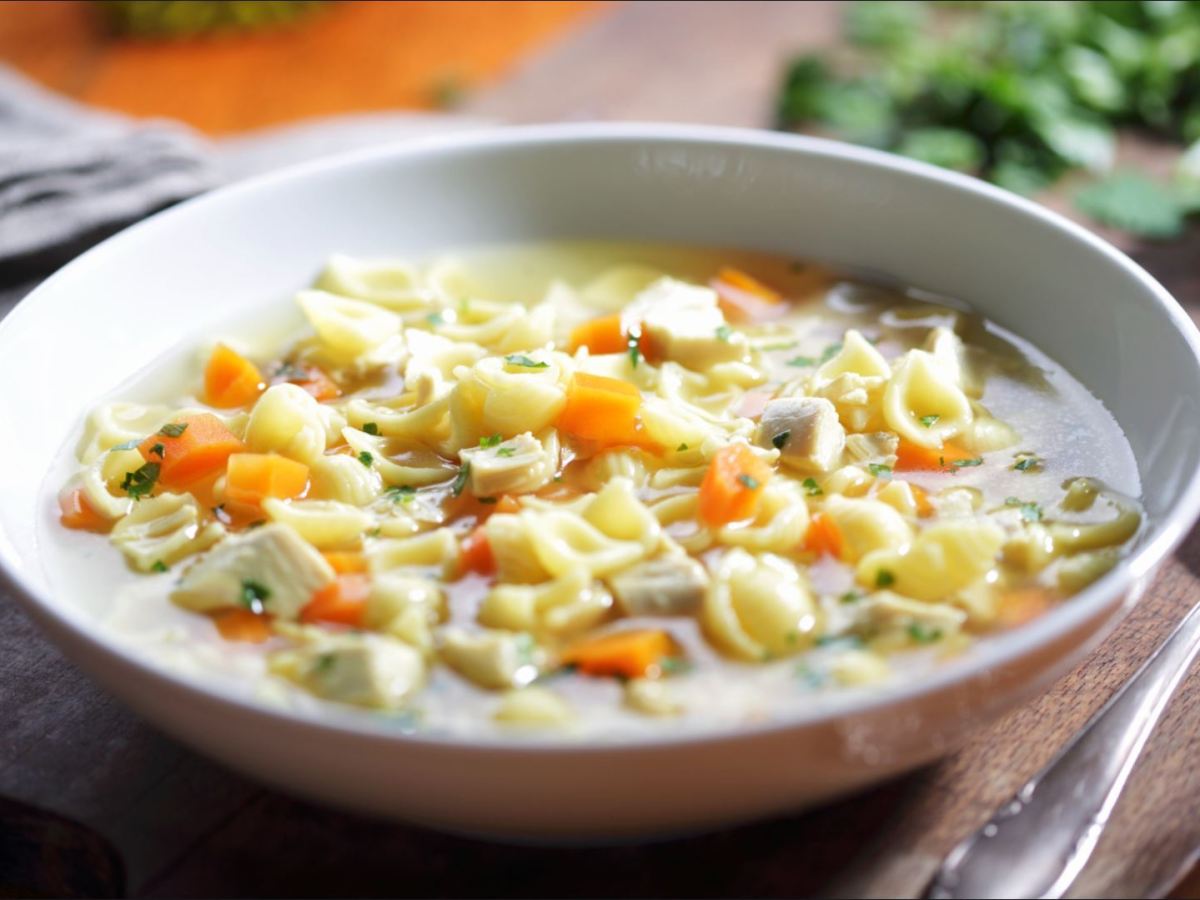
{"x": 928, "y": 421}
{"x": 920, "y": 633}
{"x": 366, "y": 458}
{"x": 524, "y": 362}
{"x": 371, "y": 428}
{"x": 749, "y": 482}
{"x": 830, "y": 352}
{"x": 675, "y": 665}
{"x": 968, "y": 463}
{"x": 492, "y": 440}
{"x": 1135, "y": 203}
{"x": 632, "y": 341}
{"x": 811, "y": 487}
{"x": 884, "y": 578}
{"x": 140, "y": 483}
{"x": 325, "y": 663}
{"x": 402, "y": 494}
{"x": 159, "y": 566}
{"x": 158, "y": 450}
{"x": 780, "y": 440}
{"x": 1030, "y": 512}
{"x": 460, "y": 480}
{"x": 1027, "y": 462}
{"x": 253, "y": 596}
{"x": 801, "y": 362}
{"x": 435, "y": 319}
{"x": 506, "y": 451}
{"x": 681, "y": 448}
{"x": 173, "y": 429}
{"x": 724, "y": 332}
{"x": 850, "y": 597}
{"x": 879, "y": 470}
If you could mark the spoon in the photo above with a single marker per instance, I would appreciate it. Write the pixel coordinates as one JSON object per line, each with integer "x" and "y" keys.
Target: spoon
{"x": 1038, "y": 842}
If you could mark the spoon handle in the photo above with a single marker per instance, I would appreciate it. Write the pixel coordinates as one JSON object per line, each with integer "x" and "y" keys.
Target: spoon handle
{"x": 1037, "y": 843}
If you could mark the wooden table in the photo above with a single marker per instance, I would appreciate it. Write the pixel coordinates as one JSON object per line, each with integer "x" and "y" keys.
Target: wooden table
{"x": 188, "y": 827}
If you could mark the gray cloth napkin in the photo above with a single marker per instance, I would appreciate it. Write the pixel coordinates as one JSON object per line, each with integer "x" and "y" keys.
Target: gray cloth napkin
{"x": 71, "y": 175}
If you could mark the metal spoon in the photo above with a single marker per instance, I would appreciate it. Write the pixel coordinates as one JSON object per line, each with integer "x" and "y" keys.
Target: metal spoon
{"x": 1037, "y": 843}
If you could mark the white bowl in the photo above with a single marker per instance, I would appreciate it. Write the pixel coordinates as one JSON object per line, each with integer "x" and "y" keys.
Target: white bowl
{"x": 183, "y": 272}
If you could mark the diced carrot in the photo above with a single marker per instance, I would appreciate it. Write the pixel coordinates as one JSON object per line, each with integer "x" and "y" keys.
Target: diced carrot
{"x": 823, "y": 537}
{"x": 625, "y": 654}
{"x": 604, "y": 410}
{"x": 77, "y": 513}
{"x": 1023, "y": 605}
{"x": 190, "y": 448}
{"x": 746, "y": 299}
{"x": 477, "y": 553}
{"x": 252, "y": 477}
{"x": 346, "y": 562}
{"x": 605, "y": 335}
{"x": 311, "y": 378}
{"x": 342, "y": 601}
{"x": 921, "y": 496}
{"x": 242, "y": 625}
{"x": 733, "y": 485}
{"x": 230, "y": 379}
{"x": 913, "y": 458}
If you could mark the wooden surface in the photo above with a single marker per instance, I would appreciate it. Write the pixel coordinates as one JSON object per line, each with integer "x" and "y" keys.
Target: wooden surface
{"x": 187, "y": 827}
{"x": 344, "y": 57}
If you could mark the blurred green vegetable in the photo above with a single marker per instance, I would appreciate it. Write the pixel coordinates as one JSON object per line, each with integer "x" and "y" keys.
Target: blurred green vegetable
{"x": 1018, "y": 93}
{"x": 187, "y": 18}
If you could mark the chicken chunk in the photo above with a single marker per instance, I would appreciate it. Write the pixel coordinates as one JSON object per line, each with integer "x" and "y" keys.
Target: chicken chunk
{"x": 491, "y": 659}
{"x": 806, "y": 432}
{"x": 367, "y": 670}
{"x": 682, "y": 322}
{"x": 271, "y": 566}
{"x": 671, "y": 586}
{"x": 517, "y": 466}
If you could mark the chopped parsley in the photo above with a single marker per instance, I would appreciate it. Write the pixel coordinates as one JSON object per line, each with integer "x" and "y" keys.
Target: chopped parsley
{"x": 810, "y": 485}
{"x": 158, "y": 450}
{"x": 780, "y": 440}
{"x": 506, "y": 451}
{"x": 520, "y": 359}
{"x": 801, "y": 361}
{"x": 402, "y": 494}
{"x": 460, "y": 480}
{"x": 366, "y": 458}
{"x": 371, "y": 428}
{"x": 723, "y": 332}
{"x": 325, "y": 662}
{"x": 435, "y": 319}
{"x": 928, "y": 421}
{"x": 809, "y": 676}
{"x": 850, "y": 597}
{"x": 921, "y": 633}
{"x": 1027, "y": 462}
{"x": 173, "y": 429}
{"x": 884, "y": 578}
{"x": 492, "y": 440}
{"x": 748, "y": 481}
{"x": 675, "y": 665}
{"x": 968, "y": 463}
{"x": 1030, "y": 512}
{"x": 830, "y": 352}
{"x": 526, "y": 646}
{"x": 782, "y": 345}
{"x": 681, "y": 448}
{"x": 840, "y": 641}
{"x": 159, "y": 566}
{"x": 879, "y": 470}
{"x": 139, "y": 483}
{"x": 253, "y": 596}
{"x": 635, "y": 351}
{"x": 130, "y": 444}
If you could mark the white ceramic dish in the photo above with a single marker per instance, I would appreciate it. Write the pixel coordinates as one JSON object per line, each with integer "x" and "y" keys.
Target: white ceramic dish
{"x": 183, "y": 272}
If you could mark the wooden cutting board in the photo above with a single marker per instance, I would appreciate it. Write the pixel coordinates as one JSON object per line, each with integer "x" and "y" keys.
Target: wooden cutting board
{"x": 188, "y": 827}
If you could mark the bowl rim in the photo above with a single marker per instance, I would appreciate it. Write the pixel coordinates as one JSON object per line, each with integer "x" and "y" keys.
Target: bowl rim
{"x": 1128, "y": 575}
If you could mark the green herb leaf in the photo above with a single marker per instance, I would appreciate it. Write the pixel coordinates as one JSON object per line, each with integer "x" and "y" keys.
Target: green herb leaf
{"x": 681, "y": 448}
{"x": 884, "y": 578}
{"x": 850, "y": 597}
{"x": 748, "y": 481}
{"x": 435, "y": 319}
{"x": 1030, "y": 512}
{"x": 506, "y": 451}
{"x": 325, "y": 663}
{"x": 366, "y": 458}
{"x": 840, "y": 641}
{"x": 402, "y": 494}
{"x": 174, "y": 429}
{"x": 635, "y": 351}
{"x": 830, "y": 352}
{"x": 921, "y": 633}
{"x": 811, "y": 487}
{"x": 928, "y": 421}
{"x": 492, "y": 440}
{"x": 371, "y": 428}
{"x": 159, "y": 566}
{"x": 460, "y": 480}
{"x": 780, "y": 440}
{"x": 519, "y": 359}
{"x": 140, "y": 483}
{"x": 801, "y": 362}
{"x": 879, "y": 470}
{"x": 1133, "y": 203}
{"x": 950, "y": 148}
{"x": 253, "y": 596}
{"x": 968, "y": 463}
{"x": 1027, "y": 462}
{"x": 675, "y": 665}
{"x": 158, "y": 450}
{"x": 724, "y": 332}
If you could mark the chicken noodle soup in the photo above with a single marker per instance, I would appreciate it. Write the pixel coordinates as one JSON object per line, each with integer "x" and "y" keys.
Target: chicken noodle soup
{"x": 592, "y": 487}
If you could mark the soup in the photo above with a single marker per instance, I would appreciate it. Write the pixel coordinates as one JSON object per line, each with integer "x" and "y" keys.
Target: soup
{"x": 592, "y": 488}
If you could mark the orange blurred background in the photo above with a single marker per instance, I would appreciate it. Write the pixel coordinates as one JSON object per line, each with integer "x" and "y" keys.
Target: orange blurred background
{"x": 350, "y": 56}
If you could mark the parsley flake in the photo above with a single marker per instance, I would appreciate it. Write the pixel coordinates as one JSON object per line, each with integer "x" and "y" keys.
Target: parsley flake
{"x": 460, "y": 480}
{"x": 850, "y": 597}
{"x": 366, "y": 458}
{"x": 402, "y": 494}
{"x": 780, "y": 440}
{"x": 173, "y": 429}
{"x": 830, "y": 352}
{"x": 253, "y": 596}
{"x": 1027, "y": 462}
{"x": 635, "y": 350}
{"x": 928, "y": 421}
{"x": 524, "y": 362}
{"x": 1030, "y": 512}
{"x": 921, "y": 633}
{"x": 371, "y": 428}
{"x": 801, "y": 361}
{"x": 879, "y": 470}
{"x": 675, "y": 665}
{"x": 159, "y": 566}
{"x": 724, "y": 332}
{"x": 158, "y": 450}
{"x": 749, "y": 481}
{"x": 139, "y": 483}
{"x": 506, "y": 451}
{"x": 681, "y": 448}
{"x": 810, "y": 485}
{"x": 968, "y": 463}
{"x": 325, "y": 662}
{"x": 492, "y": 440}
{"x": 884, "y": 578}
{"x": 435, "y": 319}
